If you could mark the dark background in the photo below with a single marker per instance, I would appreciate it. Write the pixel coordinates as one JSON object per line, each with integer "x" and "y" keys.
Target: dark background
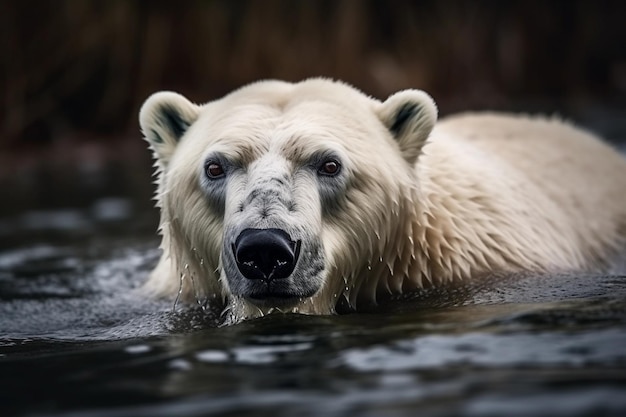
{"x": 74, "y": 72}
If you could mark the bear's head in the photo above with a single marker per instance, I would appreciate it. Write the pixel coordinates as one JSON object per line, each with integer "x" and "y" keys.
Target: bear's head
{"x": 288, "y": 197}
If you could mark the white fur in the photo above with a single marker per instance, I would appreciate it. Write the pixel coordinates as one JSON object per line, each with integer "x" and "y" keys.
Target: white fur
{"x": 478, "y": 194}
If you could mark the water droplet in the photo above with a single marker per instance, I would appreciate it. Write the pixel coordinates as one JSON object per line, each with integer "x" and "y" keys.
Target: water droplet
{"x": 180, "y": 291}
{"x": 195, "y": 291}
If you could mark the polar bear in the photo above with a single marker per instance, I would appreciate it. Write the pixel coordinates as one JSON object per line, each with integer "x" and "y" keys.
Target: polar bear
{"x": 294, "y": 197}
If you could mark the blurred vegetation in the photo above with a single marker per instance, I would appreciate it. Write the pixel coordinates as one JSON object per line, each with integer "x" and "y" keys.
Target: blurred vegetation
{"x": 74, "y": 72}
{"x": 87, "y": 65}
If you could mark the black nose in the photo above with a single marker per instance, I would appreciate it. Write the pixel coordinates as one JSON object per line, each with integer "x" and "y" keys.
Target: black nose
{"x": 265, "y": 254}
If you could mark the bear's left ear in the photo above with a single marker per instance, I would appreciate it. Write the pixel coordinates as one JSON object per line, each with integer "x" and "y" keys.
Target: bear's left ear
{"x": 164, "y": 118}
{"x": 410, "y": 116}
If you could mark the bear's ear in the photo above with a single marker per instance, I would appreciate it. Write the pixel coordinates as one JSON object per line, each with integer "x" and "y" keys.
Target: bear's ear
{"x": 410, "y": 115}
{"x": 164, "y": 118}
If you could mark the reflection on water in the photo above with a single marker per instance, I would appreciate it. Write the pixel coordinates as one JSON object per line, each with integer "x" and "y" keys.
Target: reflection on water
{"x": 78, "y": 339}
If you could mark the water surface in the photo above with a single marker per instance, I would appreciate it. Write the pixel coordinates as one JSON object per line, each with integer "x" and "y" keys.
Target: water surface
{"x": 77, "y": 339}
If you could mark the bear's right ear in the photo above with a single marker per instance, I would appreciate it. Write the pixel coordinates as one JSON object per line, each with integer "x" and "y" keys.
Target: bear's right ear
{"x": 164, "y": 118}
{"x": 410, "y": 116}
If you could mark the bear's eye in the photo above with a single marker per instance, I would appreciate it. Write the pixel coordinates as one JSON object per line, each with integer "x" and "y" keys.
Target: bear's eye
{"x": 214, "y": 170}
{"x": 330, "y": 167}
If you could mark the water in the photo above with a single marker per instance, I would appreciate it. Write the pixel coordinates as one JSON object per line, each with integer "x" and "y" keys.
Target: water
{"x": 78, "y": 339}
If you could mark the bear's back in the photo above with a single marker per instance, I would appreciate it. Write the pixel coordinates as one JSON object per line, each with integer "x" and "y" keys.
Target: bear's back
{"x": 550, "y": 152}
{"x": 561, "y": 181}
